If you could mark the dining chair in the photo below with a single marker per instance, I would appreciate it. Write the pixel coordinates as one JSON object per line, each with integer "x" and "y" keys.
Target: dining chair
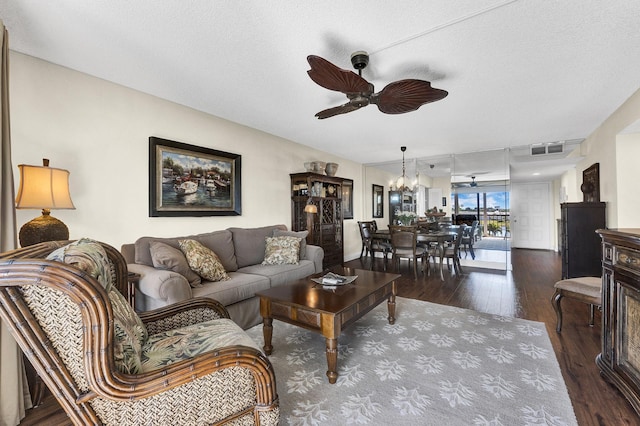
{"x": 469, "y": 237}
{"x": 582, "y": 289}
{"x": 453, "y": 251}
{"x": 362, "y": 225}
{"x": 404, "y": 245}
{"x": 431, "y": 252}
{"x": 374, "y": 245}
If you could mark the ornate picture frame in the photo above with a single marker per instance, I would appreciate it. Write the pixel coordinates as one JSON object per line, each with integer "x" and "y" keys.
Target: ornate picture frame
{"x": 190, "y": 180}
{"x": 591, "y": 184}
{"x": 378, "y": 201}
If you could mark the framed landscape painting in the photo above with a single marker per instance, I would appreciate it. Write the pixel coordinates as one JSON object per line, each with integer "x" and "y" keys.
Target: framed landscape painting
{"x": 189, "y": 180}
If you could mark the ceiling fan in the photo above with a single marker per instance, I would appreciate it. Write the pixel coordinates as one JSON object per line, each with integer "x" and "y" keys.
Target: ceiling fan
{"x": 471, "y": 184}
{"x": 396, "y": 98}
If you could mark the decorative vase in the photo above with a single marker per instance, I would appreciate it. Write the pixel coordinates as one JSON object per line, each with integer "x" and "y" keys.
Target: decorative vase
{"x": 331, "y": 169}
{"x": 318, "y": 167}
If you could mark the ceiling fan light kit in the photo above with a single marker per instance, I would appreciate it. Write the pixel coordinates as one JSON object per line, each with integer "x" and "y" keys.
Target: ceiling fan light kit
{"x": 398, "y": 97}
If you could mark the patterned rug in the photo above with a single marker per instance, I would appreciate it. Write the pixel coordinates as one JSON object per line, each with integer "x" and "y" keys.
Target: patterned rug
{"x": 437, "y": 365}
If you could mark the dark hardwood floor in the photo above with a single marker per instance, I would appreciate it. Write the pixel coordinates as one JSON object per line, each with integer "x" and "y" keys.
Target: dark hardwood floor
{"x": 524, "y": 292}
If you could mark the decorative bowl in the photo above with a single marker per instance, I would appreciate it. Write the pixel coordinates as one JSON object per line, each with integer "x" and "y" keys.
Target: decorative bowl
{"x": 331, "y": 169}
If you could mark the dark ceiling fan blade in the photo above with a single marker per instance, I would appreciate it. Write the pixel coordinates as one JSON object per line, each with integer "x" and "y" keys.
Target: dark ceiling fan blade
{"x": 406, "y": 95}
{"x": 342, "y": 109}
{"x": 332, "y": 77}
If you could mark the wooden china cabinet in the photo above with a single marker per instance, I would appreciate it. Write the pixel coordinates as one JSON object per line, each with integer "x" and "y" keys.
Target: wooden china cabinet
{"x": 400, "y": 202}
{"x": 326, "y": 226}
{"x": 619, "y": 360}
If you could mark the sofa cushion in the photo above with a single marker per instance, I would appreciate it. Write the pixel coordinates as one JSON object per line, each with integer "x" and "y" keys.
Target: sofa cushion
{"x": 203, "y": 260}
{"x": 143, "y": 249}
{"x": 250, "y": 243}
{"x": 282, "y": 251}
{"x": 129, "y": 331}
{"x": 281, "y": 274}
{"x": 240, "y": 287}
{"x": 300, "y": 234}
{"x": 219, "y": 241}
{"x": 169, "y": 347}
{"x": 170, "y": 258}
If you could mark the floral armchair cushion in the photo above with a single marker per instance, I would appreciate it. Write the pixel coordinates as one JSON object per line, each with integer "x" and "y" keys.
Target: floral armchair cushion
{"x": 174, "y": 345}
{"x": 129, "y": 331}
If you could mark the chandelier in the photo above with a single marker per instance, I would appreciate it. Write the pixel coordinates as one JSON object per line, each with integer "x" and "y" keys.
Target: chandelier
{"x": 402, "y": 183}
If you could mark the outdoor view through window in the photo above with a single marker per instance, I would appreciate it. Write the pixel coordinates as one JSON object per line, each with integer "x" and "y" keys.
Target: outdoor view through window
{"x": 491, "y": 208}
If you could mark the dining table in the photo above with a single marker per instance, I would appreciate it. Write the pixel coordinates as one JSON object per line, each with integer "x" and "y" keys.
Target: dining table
{"x": 439, "y": 236}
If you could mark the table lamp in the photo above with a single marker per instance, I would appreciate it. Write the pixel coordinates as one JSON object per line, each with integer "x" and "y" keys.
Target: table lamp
{"x": 310, "y": 209}
{"x": 43, "y": 187}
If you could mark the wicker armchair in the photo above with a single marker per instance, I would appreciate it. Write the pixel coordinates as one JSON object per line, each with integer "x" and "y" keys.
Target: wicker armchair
{"x": 63, "y": 319}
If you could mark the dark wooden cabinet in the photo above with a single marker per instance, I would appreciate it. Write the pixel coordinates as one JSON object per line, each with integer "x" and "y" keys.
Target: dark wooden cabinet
{"x": 326, "y": 226}
{"x": 580, "y": 244}
{"x": 619, "y": 361}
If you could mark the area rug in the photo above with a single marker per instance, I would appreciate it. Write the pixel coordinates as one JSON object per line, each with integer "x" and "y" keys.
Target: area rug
{"x": 437, "y": 365}
{"x": 493, "y": 244}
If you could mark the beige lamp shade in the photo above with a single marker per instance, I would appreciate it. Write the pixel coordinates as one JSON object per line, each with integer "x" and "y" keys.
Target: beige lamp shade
{"x": 311, "y": 208}
{"x": 43, "y": 187}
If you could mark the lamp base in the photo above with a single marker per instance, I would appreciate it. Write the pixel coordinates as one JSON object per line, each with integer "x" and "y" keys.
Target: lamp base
{"x": 41, "y": 229}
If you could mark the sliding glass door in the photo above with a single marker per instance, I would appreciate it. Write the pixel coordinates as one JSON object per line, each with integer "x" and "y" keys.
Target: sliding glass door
{"x": 480, "y": 198}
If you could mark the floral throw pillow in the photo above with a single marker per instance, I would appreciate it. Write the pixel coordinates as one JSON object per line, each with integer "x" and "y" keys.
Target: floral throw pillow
{"x": 203, "y": 261}
{"x": 282, "y": 251}
{"x": 88, "y": 256}
{"x": 300, "y": 234}
{"x": 129, "y": 331}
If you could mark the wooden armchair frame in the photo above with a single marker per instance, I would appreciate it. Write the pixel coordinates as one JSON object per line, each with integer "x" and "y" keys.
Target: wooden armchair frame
{"x": 27, "y": 266}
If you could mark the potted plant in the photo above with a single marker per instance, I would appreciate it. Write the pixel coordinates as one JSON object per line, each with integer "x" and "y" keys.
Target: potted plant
{"x": 407, "y": 218}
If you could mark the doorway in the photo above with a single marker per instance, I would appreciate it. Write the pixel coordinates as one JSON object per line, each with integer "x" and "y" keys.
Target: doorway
{"x": 531, "y": 215}
{"x": 480, "y": 191}
{"x": 491, "y": 245}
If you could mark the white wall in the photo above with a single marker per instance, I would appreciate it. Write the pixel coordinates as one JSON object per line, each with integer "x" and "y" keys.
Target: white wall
{"x": 99, "y": 132}
{"x": 444, "y": 183}
{"x": 600, "y": 147}
{"x": 628, "y": 172}
{"x": 373, "y": 176}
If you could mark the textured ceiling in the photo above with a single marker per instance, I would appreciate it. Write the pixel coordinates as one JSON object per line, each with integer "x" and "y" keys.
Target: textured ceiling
{"x": 517, "y": 72}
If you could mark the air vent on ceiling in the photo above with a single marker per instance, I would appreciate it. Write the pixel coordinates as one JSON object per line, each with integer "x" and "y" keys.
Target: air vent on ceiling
{"x": 547, "y": 148}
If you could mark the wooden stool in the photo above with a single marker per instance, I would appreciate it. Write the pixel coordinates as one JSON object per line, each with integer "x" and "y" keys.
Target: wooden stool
{"x": 583, "y": 289}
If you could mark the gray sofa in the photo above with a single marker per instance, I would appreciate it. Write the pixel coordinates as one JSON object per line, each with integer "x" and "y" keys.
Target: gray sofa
{"x": 241, "y": 252}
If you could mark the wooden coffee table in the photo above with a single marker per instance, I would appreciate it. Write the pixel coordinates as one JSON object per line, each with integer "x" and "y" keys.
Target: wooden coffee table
{"x": 327, "y": 311}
